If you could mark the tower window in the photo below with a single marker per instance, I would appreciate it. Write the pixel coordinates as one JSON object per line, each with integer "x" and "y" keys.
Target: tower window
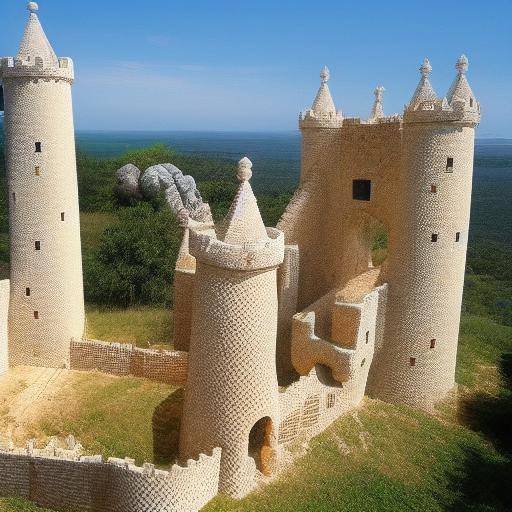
{"x": 14, "y": 197}
{"x": 412, "y": 361}
{"x": 457, "y": 237}
{"x": 362, "y": 362}
{"x": 331, "y": 400}
{"x": 27, "y": 292}
{"x": 433, "y": 188}
{"x": 434, "y": 237}
{"x": 38, "y": 245}
{"x": 449, "y": 164}
{"x": 38, "y": 147}
{"x": 470, "y": 102}
{"x": 36, "y": 315}
{"x": 433, "y": 343}
{"x": 367, "y": 336}
{"x": 37, "y": 170}
{"x": 62, "y": 216}
{"x": 361, "y": 190}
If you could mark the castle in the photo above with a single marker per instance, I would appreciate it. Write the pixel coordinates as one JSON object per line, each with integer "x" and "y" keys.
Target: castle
{"x": 278, "y": 331}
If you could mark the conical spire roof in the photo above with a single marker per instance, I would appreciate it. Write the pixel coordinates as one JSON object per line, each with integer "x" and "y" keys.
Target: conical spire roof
{"x": 324, "y": 103}
{"x": 460, "y": 89}
{"x": 424, "y": 91}
{"x": 35, "y": 43}
{"x": 377, "y": 109}
{"x": 243, "y": 223}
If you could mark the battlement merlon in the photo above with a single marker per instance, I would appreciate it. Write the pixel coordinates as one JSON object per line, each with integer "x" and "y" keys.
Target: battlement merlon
{"x": 261, "y": 255}
{"x": 11, "y": 68}
{"x": 311, "y": 119}
{"x": 439, "y": 111}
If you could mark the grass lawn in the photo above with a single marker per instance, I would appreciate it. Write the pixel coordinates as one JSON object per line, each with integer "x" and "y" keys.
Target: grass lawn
{"x": 142, "y": 326}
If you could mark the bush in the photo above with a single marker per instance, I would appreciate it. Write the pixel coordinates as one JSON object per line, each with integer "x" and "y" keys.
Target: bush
{"x": 135, "y": 261}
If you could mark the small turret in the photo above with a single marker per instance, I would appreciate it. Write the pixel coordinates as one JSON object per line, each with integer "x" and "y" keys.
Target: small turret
{"x": 323, "y": 113}
{"x": 460, "y": 89}
{"x": 377, "y": 109}
{"x": 424, "y": 91}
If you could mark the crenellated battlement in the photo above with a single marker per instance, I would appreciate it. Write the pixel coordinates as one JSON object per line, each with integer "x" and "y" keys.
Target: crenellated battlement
{"x": 311, "y": 119}
{"x": 440, "y": 111}
{"x": 12, "y": 67}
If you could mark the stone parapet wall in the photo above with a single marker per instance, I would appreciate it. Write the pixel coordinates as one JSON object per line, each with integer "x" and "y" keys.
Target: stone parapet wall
{"x": 165, "y": 366}
{"x": 63, "y": 479}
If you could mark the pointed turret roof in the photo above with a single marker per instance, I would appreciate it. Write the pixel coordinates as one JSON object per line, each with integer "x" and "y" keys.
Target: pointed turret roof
{"x": 324, "y": 103}
{"x": 377, "y": 109}
{"x": 460, "y": 89}
{"x": 424, "y": 91}
{"x": 35, "y": 43}
{"x": 243, "y": 223}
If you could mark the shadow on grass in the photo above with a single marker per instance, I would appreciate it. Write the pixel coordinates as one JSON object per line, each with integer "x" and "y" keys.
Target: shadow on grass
{"x": 486, "y": 481}
{"x": 166, "y": 428}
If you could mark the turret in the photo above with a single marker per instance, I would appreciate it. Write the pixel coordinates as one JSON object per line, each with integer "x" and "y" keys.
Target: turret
{"x": 427, "y": 250}
{"x": 46, "y": 295}
{"x": 231, "y": 397}
{"x": 377, "y": 108}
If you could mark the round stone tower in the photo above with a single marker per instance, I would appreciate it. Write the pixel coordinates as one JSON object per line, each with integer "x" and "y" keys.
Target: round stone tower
{"x": 320, "y": 159}
{"x": 46, "y": 297}
{"x": 428, "y": 246}
{"x": 231, "y": 397}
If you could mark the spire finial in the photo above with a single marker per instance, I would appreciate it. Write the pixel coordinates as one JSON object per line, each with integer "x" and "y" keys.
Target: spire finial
{"x": 462, "y": 64}
{"x": 244, "y": 172}
{"x": 379, "y": 91}
{"x": 324, "y": 75}
{"x": 425, "y": 68}
{"x": 32, "y": 7}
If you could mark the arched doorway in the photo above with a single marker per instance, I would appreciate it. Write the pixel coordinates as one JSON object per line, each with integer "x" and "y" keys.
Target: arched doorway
{"x": 261, "y": 447}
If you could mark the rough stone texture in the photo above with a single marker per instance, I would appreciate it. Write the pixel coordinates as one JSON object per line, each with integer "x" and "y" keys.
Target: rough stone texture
{"x": 4, "y": 315}
{"x": 64, "y": 479}
{"x": 232, "y": 381}
{"x": 123, "y": 359}
{"x": 127, "y": 185}
{"x": 46, "y": 297}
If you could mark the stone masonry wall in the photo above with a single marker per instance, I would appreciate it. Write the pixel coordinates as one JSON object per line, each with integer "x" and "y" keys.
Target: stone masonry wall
{"x": 4, "y": 313}
{"x": 122, "y": 359}
{"x": 64, "y": 479}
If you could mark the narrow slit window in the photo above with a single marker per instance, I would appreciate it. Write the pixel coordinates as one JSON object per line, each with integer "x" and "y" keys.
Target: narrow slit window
{"x": 14, "y": 197}
{"x": 412, "y": 361}
{"x": 434, "y": 237}
{"x": 362, "y": 362}
{"x": 433, "y": 343}
{"x": 36, "y": 315}
{"x": 470, "y": 102}
{"x": 367, "y": 336}
{"x": 38, "y": 245}
{"x": 331, "y": 400}
{"x": 433, "y": 188}
{"x": 38, "y": 147}
{"x": 37, "y": 170}
{"x": 449, "y": 164}
{"x": 457, "y": 236}
{"x": 62, "y": 216}
{"x": 27, "y": 292}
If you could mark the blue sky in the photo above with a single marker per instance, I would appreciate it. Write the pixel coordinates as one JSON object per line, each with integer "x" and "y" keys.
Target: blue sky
{"x": 240, "y": 65}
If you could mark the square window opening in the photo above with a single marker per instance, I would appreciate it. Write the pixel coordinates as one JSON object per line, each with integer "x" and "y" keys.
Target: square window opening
{"x": 36, "y": 315}
{"x": 38, "y": 245}
{"x": 62, "y": 216}
{"x": 457, "y": 236}
{"x": 433, "y": 188}
{"x": 432, "y": 343}
{"x": 38, "y": 147}
{"x": 37, "y": 170}
{"x": 361, "y": 190}
{"x": 27, "y": 292}
{"x": 434, "y": 237}
{"x": 449, "y": 164}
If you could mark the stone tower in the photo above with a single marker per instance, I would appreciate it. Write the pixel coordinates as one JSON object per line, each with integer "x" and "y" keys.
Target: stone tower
{"x": 428, "y": 249}
{"x": 46, "y": 296}
{"x": 231, "y": 397}
{"x": 320, "y": 158}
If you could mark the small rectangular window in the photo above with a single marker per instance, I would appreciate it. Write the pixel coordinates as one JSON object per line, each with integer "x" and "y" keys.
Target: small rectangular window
{"x": 361, "y": 190}
{"x": 37, "y": 171}
{"x": 38, "y": 147}
{"x": 14, "y": 197}
{"x": 433, "y": 189}
{"x": 36, "y": 315}
{"x": 432, "y": 343}
{"x": 434, "y": 237}
{"x": 62, "y": 216}
{"x": 331, "y": 400}
{"x": 470, "y": 102}
{"x": 412, "y": 361}
{"x": 367, "y": 336}
{"x": 38, "y": 245}
{"x": 27, "y": 292}
{"x": 457, "y": 237}
{"x": 449, "y": 164}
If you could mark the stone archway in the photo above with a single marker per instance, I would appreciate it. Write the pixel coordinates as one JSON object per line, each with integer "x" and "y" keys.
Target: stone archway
{"x": 262, "y": 446}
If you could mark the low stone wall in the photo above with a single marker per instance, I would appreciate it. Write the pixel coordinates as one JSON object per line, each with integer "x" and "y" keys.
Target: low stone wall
{"x": 4, "y": 314}
{"x": 63, "y": 479}
{"x": 120, "y": 359}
